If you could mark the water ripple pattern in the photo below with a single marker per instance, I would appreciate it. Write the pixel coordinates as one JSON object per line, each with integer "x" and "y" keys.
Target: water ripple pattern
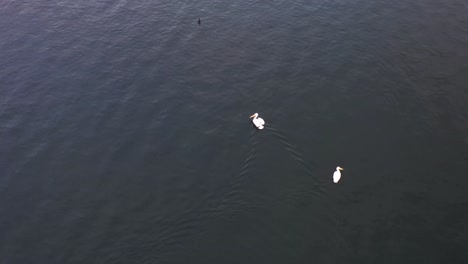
{"x": 125, "y": 137}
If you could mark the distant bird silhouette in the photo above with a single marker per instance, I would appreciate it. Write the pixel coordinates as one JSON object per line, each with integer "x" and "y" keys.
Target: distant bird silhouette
{"x": 199, "y": 21}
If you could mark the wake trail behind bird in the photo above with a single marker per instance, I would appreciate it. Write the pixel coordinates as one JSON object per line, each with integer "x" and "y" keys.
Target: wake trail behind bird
{"x": 232, "y": 196}
{"x": 295, "y": 154}
{"x": 250, "y": 156}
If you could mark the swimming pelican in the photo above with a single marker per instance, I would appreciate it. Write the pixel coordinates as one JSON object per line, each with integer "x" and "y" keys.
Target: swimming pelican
{"x": 337, "y": 174}
{"x": 257, "y": 121}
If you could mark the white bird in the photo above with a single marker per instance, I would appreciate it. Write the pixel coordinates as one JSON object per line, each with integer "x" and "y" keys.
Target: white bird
{"x": 257, "y": 121}
{"x": 337, "y": 174}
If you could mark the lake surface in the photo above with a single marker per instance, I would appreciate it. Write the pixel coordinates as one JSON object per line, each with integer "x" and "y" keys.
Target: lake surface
{"x": 125, "y": 137}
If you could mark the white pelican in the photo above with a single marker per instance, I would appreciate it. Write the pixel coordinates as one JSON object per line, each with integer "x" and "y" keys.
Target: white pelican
{"x": 258, "y": 122}
{"x": 337, "y": 174}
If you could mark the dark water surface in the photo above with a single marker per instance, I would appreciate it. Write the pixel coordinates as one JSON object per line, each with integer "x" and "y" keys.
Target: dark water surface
{"x": 125, "y": 138}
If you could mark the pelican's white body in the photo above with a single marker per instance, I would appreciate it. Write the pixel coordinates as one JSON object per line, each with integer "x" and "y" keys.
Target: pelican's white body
{"x": 337, "y": 174}
{"x": 257, "y": 121}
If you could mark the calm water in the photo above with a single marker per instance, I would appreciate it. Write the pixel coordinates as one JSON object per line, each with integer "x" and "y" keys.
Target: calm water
{"x": 125, "y": 138}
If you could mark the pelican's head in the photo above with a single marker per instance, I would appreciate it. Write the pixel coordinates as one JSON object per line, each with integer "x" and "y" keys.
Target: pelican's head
{"x": 254, "y": 115}
{"x": 339, "y": 168}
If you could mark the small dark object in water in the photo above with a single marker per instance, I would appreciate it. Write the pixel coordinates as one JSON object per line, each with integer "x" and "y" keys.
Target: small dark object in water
{"x": 199, "y": 21}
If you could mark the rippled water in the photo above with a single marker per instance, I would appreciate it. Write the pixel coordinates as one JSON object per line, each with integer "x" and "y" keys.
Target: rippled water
{"x": 125, "y": 138}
